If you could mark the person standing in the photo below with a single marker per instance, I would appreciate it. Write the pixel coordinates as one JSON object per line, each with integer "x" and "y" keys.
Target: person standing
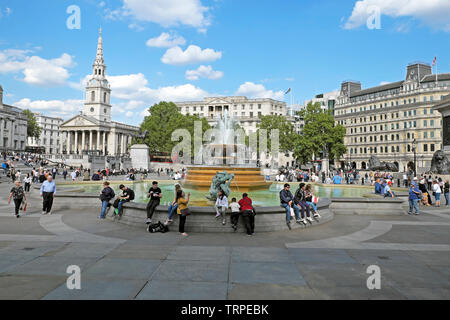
{"x": 437, "y": 193}
{"x": 27, "y": 181}
{"x": 414, "y": 193}
{"x": 18, "y": 194}
{"x": 235, "y": 210}
{"x": 221, "y": 206}
{"x": 447, "y": 193}
{"x": 248, "y": 214}
{"x": 106, "y": 196}
{"x": 65, "y": 174}
{"x": 48, "y": 191}
{"x": 155, "y": 195}
{"x": 183, "y": 210}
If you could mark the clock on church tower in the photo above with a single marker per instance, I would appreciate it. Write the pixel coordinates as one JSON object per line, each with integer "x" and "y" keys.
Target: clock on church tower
{"x": 98, "y": 90}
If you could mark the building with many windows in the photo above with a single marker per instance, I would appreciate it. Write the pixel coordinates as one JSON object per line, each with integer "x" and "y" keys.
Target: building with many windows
{"x": 49, "y": 141}
{"x": 395, "y": 121}
{"x": 13, "y": 127}
{"x": 246, "y": 111}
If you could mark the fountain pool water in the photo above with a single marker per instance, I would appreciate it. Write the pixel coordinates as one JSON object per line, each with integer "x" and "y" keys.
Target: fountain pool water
{"x": 261, "y": 198}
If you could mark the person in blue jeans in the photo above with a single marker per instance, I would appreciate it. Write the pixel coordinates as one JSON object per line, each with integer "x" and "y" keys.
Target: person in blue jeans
{"x": 414, "y": 194}
{"x": 106, "y": 196}
{"x": 447, "y": 193}
{"x": 287, "y": 202}
{"x": 173, "y": 206}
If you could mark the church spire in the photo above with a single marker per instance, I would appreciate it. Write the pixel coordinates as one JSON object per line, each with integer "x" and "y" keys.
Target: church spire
{"x": 99, "y": 67}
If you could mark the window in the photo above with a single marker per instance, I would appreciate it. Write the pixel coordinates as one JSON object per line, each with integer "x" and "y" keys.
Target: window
{"x": 425, "y": 135}
{"x": 425, "y": 148}
{"x": 93, "y": 96}
{"x": 425, "y": 123}
{"x": 432, "y": 148}
{"x": 425, "y": 111}
{"x": 431, "y": 123}
{"x": 432, "y": 134}
{"x": 104, "y": 97}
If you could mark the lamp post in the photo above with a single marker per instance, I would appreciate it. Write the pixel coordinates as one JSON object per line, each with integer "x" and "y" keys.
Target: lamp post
{"x": 414, "y": 145}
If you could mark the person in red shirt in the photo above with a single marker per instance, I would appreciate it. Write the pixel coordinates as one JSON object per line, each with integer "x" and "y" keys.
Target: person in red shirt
{"x": 248, "y": 214}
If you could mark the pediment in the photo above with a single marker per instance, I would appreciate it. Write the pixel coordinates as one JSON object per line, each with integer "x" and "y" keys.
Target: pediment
{"x": 80, "y": 121}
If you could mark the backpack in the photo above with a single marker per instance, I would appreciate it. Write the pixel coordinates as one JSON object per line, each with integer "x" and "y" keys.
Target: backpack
{"x": 158, "y": 227}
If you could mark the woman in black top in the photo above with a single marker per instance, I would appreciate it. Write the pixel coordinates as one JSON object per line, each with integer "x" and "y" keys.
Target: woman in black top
{"x": 18, "y": 194}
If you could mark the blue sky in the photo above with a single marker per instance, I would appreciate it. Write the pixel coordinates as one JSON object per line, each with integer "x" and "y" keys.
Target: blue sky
{"x": 258, "y": 48}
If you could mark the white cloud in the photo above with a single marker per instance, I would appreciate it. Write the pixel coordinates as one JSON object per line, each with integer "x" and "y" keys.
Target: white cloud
{"x": 435, "y": 13}
{"x": 252, "y": 90}
{"x": 192, "y": 55}
{"x": 55, "y": 108}
{"x": 168, "y": 13}
{"x": 203, "y": 72}
{"x": 37, "y": 71}
{"x": 166, "y": 40}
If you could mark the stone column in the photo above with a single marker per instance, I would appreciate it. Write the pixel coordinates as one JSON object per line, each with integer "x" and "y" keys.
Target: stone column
{"x": 123, "y": 144}
{"x": 104, "y": 143}
{"x": 11, "y": 135}
{"x": 90, "y": 140}
{"x": 98, "y": 141}
{"x": 61, "y": 143}
{"x": 76, "y": 142}
{"x": 2, "y": 131}
{"x": 83, "y": 140}
{"x": 68, "y": 142}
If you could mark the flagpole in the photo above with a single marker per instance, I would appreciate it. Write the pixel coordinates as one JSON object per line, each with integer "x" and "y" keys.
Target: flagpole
{"x": 436, "y": 73}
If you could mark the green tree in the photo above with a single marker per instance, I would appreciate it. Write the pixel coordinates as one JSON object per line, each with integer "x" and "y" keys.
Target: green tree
{"x": 319, "y": 131}
{"x": 33, "y": 129}
{"x": 163, "y": 120}
{"x": 287, "y": 134}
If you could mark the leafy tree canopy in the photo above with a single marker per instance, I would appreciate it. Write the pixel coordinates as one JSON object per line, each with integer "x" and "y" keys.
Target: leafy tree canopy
{"x": 33, "y": 129}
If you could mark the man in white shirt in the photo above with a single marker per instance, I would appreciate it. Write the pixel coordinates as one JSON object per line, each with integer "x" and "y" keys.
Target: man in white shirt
{"x": 437, "y": 193}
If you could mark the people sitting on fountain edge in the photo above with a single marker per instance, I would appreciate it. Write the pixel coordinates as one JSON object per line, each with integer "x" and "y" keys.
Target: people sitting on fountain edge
{"x": 378, "y": 187}
{"x": 287, "y": 202}
{"x": 388, "y": 193}
{"x": 300, "y": 200}
{"x": 126, "y": 196}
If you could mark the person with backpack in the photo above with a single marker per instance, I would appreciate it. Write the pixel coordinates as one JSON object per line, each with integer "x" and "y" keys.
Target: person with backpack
{"x": 18, "y": 194}
{"x": 248, "y": 214}
{"x": 106, "y": 196}
{"x": 183, "y": 210}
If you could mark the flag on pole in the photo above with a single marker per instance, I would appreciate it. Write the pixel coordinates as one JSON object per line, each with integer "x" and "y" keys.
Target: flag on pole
{"x": 289, "y": 90}
{"x": 434, "y": 61}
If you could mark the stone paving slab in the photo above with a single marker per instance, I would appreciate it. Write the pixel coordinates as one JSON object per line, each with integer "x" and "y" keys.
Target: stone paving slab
{"x": 35, "y": 248}
{"x": 183, "y": 290}
{"x": 431, "y": 258}
{"x": 93, "y": 250}
{"x": 414, "y": 276}
{"x": 9, "y": 262}
{"x": 358, "y": 293}
{"x": 23, "y": 287}
{"x": 242, "y": 291}
{"x": 250, "y": 254}
{"x": 215, "y": 254}
{"x": 140, "y": 251}
{"x": 52, "y": 266}
{"x": 261, "y": 272}
{"x": 416, "y": 234}
{"x": 99, "y": 289}
{"x": 319, "y": 256}
{"x": 112, "y": 268}
{"x": 383, "y": 257}
{"x": 198, "y": 271}
{"x": 424, "y": 293}
{"x": 334, "y": 275}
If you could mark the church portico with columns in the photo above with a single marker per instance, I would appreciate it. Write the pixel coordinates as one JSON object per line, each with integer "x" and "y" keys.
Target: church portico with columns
{"x": 92, "y": 133}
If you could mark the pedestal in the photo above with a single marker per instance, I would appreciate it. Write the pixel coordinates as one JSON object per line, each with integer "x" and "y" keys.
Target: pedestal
{"x": 140, "y": 159}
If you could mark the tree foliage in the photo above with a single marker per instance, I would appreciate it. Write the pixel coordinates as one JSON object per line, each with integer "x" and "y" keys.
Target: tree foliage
{"x": 319, "y": 131}
{"x": 33, "y": 129}
{"x": 287, "y": 134}
{"x": 163, "y": 120}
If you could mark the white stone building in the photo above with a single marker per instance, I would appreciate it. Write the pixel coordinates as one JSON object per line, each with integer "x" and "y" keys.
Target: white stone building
{"x": 13, "y": 127}
{"x": 92, "y": 131}
{"x": 50, "y": 135}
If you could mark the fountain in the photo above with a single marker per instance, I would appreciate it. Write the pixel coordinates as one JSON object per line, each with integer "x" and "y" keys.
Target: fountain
{"x": 226, "y": 155}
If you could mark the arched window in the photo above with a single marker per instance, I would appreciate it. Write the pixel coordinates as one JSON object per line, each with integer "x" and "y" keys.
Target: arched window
{"x": 104, "y": 97}
{"x": 93, "y": 96}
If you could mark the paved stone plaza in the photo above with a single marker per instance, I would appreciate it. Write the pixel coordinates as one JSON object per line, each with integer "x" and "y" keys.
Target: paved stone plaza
{"x": 118, "y": 262}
